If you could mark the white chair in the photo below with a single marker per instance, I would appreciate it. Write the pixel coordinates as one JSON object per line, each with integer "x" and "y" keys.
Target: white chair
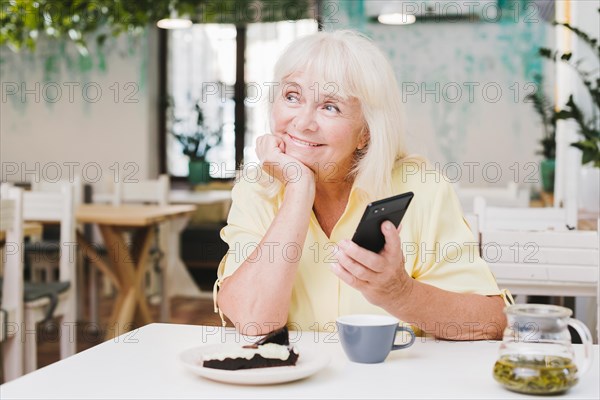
{"x": 153, "y": 191}
{"x": 53, "y": 207}
{"x": 44, "y": 269}
{"x": 510, "y": 195}
{"x": 57, "y": 186}
{"x": 519, "y": 218}
{"x": 535, "y": 254}
{"x": 11, "y": 223}
{"x": 545, "y": 263}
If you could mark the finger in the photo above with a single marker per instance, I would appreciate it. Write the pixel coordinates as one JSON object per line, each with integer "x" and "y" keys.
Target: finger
{"x": 268, "y": 141}
{"x": 268, "y": 149}
{"x": 363, "y": 256}
{"x": 345, "y": 276}
{"x": 392, "y": 239}
{"x": 401, "y": 251}
{"x": 356, "y": 269}
{"x": 281, "y": 146}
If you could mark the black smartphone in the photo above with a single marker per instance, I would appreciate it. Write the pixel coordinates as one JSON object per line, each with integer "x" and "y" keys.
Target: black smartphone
{"x": 368, "y": 233}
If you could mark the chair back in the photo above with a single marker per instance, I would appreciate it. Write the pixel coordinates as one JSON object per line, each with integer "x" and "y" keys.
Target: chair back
{"x": 510, "y": 195}
{"x": 56, "y": 207}
{"x": 57, "y": 186}
{"x": 544, "y": 263}
{"x": 144, "y": 191}
{"x": 519, "y": 218}
{"x": 11, "y": 223}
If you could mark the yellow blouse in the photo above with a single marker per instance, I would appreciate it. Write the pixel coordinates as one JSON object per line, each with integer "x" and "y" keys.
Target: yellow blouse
{"x": 438, "y": 245}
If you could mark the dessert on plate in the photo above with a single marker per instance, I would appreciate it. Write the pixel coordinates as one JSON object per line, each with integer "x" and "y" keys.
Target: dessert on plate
{"x": 273, "y": 350}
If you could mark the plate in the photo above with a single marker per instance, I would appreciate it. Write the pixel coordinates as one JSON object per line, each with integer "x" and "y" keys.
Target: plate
{"x": 309, "y": 362}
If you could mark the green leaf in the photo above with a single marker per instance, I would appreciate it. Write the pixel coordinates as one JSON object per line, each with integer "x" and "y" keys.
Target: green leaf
{"x": 566, "y": 56}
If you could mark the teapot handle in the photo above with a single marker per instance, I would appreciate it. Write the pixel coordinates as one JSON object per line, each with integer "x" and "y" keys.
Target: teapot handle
{"x": 586, "y": 339}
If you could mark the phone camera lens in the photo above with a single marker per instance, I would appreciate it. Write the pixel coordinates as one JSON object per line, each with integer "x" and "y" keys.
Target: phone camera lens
{"x": 376, "y": 211}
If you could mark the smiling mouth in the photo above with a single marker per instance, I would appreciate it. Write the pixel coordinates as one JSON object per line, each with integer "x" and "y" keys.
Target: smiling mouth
{"x": 303, "y": 142}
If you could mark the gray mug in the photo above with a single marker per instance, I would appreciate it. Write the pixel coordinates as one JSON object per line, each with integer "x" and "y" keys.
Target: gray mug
{"x": 369, "y": 338}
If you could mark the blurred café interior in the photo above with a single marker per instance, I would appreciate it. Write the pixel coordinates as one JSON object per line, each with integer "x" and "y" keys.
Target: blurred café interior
{"x": 123, "y": 123}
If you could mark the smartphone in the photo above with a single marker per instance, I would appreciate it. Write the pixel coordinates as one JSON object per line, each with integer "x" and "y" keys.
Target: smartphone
{"x": 368, "y": 233}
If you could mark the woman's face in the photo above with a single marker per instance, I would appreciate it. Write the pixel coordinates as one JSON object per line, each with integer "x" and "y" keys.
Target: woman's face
{"x": 318, "y": 128}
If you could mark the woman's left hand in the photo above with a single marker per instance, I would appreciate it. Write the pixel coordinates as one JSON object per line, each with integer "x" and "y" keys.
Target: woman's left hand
{"x": 381, "y": 278}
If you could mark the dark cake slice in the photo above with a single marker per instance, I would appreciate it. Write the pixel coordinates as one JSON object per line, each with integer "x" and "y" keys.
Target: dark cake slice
{"x": 271, "y": 351}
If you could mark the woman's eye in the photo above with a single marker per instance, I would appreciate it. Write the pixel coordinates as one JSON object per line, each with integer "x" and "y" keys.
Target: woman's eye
{"x": 292, "y": 97}
{"x": 331, "y": 107}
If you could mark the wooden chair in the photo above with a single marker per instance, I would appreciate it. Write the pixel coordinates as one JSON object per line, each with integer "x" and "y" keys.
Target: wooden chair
{"x": 531, "y": 255}
{"x": 41, "y": 298}
{"x": 11, "y": 223}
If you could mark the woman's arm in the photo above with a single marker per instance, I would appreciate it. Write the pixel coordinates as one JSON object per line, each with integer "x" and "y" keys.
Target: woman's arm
{"x": 259, "y": 291}
{"x": 449, "y": 315}
{"x": 383, "y": 280}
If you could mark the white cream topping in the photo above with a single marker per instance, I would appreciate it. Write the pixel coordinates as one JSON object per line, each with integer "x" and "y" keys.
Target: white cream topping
{"x": 269, "y": 350}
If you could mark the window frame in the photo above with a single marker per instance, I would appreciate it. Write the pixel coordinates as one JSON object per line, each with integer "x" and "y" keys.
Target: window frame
{"x": 238, "y": 97}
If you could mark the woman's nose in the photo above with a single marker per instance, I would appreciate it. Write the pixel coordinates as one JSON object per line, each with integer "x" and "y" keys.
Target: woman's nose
{"x": 305, "y": 120}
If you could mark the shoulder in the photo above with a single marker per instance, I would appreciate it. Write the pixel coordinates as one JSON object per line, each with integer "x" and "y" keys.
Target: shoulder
{"x": 416, "y": 174}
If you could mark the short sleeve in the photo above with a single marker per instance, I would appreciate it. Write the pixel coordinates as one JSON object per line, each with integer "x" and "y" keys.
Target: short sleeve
{"x": 252, "y": 212}
{"x": 448, "y": 254}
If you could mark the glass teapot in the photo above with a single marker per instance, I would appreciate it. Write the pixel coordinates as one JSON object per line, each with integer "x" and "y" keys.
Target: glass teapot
{"x": 536, "y": 354}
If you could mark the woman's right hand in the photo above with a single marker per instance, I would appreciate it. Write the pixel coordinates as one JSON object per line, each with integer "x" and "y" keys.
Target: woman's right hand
{"x": 274, "y": 161}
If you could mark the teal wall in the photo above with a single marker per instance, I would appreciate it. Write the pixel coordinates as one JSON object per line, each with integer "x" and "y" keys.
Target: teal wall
{"x": 444, "y": 56}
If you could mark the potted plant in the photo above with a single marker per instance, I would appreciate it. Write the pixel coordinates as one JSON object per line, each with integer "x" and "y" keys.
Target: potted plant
{"x": 196, "y": 139}
{"x": 547, "y": 113}
{"x": 588, "y": 125}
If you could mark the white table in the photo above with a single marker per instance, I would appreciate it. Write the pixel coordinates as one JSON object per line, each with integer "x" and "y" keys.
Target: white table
{"x": 145, "y": 364}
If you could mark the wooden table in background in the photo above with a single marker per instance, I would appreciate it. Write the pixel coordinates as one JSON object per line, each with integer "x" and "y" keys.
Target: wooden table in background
{"x": 128, "y": 262}
{"x": 29, "y": 229}
{"x": 180, "y": 281}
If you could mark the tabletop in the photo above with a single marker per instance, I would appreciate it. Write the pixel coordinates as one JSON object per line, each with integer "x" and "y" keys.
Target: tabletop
{"x": 199, "y": 197}
{"x": 180, "y": 196}
{"x": 145, "y": 364}
{"x": 129, "y": 214}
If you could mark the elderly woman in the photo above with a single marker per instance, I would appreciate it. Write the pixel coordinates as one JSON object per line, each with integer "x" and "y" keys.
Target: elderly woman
{"x": 336, "y": 145}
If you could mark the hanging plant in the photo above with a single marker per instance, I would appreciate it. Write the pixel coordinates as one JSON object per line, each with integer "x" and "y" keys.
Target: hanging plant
{"x": 24, "y": 22}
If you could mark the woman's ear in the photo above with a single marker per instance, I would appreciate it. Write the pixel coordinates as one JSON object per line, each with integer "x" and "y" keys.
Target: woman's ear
{"x": 364, "y": 138}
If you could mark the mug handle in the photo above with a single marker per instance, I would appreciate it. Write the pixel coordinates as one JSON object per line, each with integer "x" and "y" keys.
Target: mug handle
{"x": 412, "y": 337}
{"x": 586, "y": 338}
